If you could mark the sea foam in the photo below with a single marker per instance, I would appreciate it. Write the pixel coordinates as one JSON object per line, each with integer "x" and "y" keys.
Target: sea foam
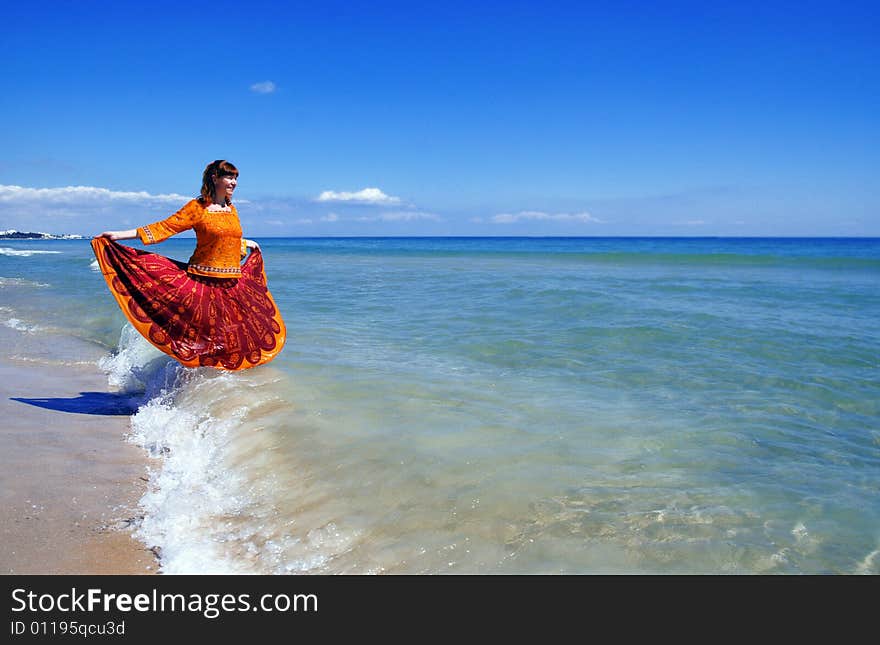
{"x": 186, "y": 487}
{"x": 136, "y": 364}
{"x": 211, "y": 504}
{"x": 4, "y": 250}
{"x": 18, "y": 325}
{"x": 20, "y": 282}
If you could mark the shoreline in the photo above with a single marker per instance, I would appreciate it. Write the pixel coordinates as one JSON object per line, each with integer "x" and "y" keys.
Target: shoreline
{"x": 70, "y": 481}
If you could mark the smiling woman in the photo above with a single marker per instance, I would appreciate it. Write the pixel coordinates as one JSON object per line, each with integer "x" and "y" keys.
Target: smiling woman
{"x": 212, "y": 311}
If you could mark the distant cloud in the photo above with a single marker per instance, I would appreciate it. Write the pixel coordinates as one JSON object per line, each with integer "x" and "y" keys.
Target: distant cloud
{"x": 365, "y": 196}
{"x": 330, "y": 217}
{"x": 507, "y": 218}
{"x": 691, "y": 222}
{"x": 79, "y": 194}
{"x": 263, "y": 87}
{"x": 402, "y": 216}
{"x": 82, "y": 209}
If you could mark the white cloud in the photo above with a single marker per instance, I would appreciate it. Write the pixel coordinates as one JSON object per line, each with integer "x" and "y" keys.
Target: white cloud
{"x": 81, "y": 209}
{"x": 401, "y": 216}
{"x": 408, "y": 216}
{"x": 690, "y": 222}
{"x": 263, "y": 87}
{"x": 365, "y": 196}
{"x": 330, "y": 217}
{"x": 80, "y": 194}
{"x": 507, "y": 218}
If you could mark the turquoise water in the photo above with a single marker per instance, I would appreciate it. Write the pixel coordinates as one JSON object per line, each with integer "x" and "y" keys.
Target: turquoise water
{"x": 510, "y": 405}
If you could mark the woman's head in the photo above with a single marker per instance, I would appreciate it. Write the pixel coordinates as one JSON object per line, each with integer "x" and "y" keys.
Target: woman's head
{"x": 213, "y": 180}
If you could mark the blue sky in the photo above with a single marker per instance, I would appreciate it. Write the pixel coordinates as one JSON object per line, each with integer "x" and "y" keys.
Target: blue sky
{"x": 452, "y": 118}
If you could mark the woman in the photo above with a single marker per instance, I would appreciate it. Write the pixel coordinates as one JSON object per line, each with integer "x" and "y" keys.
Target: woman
{"x": 212, "y": 311}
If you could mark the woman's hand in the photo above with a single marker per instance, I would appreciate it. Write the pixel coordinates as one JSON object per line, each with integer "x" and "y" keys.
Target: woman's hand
{"x": 119, "y": 235}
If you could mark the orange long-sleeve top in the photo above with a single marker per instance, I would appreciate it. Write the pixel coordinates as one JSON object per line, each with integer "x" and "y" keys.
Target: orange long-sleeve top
{"x": 219, "y": 245}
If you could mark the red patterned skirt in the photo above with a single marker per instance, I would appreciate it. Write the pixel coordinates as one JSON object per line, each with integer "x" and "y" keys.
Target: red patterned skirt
{"x": 227, "y": 323}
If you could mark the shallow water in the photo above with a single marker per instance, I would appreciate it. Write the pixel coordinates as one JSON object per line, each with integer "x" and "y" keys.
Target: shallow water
{"x": 509, "y": 405}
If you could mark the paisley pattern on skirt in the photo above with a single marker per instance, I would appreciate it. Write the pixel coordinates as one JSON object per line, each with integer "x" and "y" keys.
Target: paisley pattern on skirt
{"x": 226, "y": 323}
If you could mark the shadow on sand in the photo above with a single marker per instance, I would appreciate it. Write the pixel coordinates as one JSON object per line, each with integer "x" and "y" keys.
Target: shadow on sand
{"x": 105, "y": 403}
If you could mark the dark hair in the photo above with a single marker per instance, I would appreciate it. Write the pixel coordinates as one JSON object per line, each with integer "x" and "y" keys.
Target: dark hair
{"x": 217, "y": 168}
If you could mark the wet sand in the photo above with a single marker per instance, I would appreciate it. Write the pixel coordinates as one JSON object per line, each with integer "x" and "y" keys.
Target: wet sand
{"x": 69, "y": 482}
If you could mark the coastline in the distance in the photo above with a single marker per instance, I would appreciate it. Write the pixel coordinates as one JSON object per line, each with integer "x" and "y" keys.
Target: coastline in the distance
{"x": 12, "y": 234}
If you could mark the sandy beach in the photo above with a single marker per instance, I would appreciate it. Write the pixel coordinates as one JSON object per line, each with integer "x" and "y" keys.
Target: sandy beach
{"x": 69, "y": 481}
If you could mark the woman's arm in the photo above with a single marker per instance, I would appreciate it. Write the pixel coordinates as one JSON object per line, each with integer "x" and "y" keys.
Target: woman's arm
{"x": 251, "y": 244}
{"x": 120, "y": 235}
{"x": 183, "y": 220}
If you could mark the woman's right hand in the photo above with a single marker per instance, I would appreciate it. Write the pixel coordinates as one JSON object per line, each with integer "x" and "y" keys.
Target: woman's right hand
{"x": 119, "y": 235}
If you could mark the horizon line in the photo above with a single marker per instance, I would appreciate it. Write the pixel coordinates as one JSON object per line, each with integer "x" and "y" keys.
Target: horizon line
{"x": 573, "y": 237}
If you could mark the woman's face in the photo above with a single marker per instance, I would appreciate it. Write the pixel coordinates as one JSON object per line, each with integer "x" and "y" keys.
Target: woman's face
{"x": 224, "y": 186}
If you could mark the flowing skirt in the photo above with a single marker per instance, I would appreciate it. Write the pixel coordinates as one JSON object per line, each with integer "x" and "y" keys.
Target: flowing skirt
{"x": 226, "y": 323}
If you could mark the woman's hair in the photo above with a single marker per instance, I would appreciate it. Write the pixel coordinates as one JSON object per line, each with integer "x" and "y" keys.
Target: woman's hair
{"x": 217, "y": 168}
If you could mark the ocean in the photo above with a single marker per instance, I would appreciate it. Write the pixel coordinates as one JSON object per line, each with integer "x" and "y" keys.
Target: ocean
{"x": 504, "y": 406}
